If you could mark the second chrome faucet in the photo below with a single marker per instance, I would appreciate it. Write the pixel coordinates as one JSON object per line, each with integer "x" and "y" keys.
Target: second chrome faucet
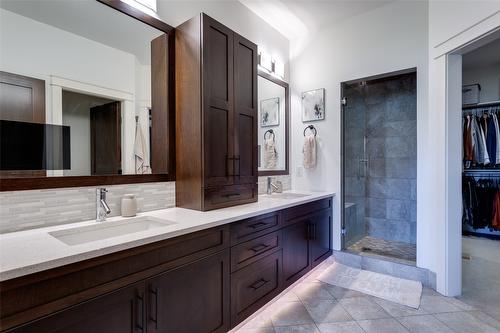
{"x": 102, "y": 208}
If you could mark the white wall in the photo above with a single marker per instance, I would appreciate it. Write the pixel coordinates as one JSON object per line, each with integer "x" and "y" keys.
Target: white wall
{"x": 235, "y": 16}
{"x": 452, "y": 25}
{"x": 390, "y": 38}
{"x": 488, "y": 78}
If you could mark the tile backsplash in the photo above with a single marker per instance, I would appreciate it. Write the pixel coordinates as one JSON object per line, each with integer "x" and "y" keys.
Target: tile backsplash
{"x": 21, "y": 210}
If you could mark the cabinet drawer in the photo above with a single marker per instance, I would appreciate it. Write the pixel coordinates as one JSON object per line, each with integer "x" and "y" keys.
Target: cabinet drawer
{"x": 312, "y": 207}
{"x": 251, "y": 251}
{"x": 255, "y": 285}
{"x": 225, "y": 196}
{"x": 254, "y": 227}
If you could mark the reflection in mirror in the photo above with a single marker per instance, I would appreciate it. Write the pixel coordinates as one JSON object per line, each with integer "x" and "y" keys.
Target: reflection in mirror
{"x": 88, "y": 67}
{"x": 272, "y": 127}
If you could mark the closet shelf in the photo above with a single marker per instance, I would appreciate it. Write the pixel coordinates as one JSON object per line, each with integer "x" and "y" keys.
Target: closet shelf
{"x": 480, "y": 105}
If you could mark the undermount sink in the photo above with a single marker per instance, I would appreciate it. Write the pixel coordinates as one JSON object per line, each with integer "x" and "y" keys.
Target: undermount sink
{"x": 104, "y": 230}
{"x": 286, "y": 195}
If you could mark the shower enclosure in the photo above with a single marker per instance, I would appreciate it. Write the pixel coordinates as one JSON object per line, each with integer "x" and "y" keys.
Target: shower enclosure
{"x": 379, "y": 166}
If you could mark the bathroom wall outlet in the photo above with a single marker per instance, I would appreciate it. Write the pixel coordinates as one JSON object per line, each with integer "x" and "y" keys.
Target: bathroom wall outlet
{"x": 300, "y": 171}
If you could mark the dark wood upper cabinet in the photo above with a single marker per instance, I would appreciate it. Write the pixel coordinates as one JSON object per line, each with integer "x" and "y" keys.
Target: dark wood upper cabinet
{"x": 216, "y": 98}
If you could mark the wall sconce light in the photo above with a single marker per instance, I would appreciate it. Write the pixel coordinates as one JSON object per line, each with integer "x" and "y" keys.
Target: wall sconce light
{"x": 265, "y": 61}
{"x": 279, "y": 68}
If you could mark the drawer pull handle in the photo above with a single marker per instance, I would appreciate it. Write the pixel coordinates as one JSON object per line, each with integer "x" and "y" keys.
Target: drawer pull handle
{"x": 256, "y": 225}
{"x": 154, "y": 293}
{"x": 260, "y": 247}
{"x": 140, "y": 312}
{"x": 229, "y": 195}
{"x": 258, "y": 284}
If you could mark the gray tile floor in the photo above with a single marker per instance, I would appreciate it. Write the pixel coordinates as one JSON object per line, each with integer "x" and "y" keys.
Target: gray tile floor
{"x": 389, "y": 250}
{"x": 312, "y": 306}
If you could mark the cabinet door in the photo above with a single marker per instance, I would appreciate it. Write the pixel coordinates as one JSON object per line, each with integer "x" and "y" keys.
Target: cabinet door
{"x": 121, "y": 311}
{"x": 245, "y": 110}
{"x": 320, "y": 237}
{"x": 191, "y": 298}
{"x": 296, "y": 258}
{"x": 217, "y": 103}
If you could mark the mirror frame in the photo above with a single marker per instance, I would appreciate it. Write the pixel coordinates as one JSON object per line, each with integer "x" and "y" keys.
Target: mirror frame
{"x": 285, "y": 85}
{"x": 165, "y": 118}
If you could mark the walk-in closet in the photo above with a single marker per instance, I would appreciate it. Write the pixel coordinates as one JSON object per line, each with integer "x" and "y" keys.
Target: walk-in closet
{"x": 481, "y": 177}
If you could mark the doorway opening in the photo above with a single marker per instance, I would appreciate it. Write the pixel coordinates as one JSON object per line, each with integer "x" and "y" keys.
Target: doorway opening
{"x": 95, "y": 134}
{"x": 379, "y": 163}
{"x": 481, "y": 176}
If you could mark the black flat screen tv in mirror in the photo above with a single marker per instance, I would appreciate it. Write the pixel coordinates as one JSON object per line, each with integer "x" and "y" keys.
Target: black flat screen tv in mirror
{"x": 33, "y": 146}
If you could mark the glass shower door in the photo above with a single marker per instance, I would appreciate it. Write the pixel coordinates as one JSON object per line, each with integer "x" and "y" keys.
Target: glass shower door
{"x": 355, "y": 164}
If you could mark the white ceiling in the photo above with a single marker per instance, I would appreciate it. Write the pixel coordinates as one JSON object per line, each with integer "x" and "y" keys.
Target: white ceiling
{"x": 92, "y": 20}
{"x": 295, "y": 19}
{"x": 485, "y": 56}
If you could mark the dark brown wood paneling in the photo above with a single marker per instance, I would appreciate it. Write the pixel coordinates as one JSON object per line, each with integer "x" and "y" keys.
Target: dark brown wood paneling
{"x": 218, "y": 102}
{"x": 191, "y": 298}
{"x": 248, "y": 252}
{"x": 245, "y": 110}
{"x": 160, "y": 105}
{"x": 254, "y": 285}
{"x": 188, "y": 187}
{"x": 226, "y": 196}
{"x": 22, "y": 98}
{"x": 254, "y": 227}
{"x": 32, "y": 296}
{"x": 320, "y": 236}
{"x": 296, "y": 257}
{"x": 297, "y": 211}
{"x": 122, "y": 311}
{"x": 106, "y": 139}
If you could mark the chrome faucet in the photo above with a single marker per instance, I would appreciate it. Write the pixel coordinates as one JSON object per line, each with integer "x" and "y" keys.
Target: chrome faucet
{"x": 271, "y": 187}
{"x": 102, "y": 208}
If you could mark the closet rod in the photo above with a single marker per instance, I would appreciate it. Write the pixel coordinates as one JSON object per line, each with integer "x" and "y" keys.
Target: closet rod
{"x": 481, "y": 105}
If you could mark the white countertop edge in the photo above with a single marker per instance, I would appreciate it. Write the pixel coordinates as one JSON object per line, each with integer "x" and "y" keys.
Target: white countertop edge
{"x": 212, "y": 221}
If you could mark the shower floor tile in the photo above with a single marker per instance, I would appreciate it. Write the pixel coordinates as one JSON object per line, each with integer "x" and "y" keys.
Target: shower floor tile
{"x": 381, "y": 248}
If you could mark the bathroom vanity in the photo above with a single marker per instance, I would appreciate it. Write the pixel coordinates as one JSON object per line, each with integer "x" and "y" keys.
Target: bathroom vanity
{"x": 195, "y": 272}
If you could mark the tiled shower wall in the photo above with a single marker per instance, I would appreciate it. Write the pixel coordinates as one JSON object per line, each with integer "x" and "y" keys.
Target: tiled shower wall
{"x": 391, "y": 131}
{"x": 382, "y": 113}
{"x": 21, "y": 210}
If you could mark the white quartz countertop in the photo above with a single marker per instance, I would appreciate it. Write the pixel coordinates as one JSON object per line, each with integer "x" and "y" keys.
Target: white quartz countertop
{"x": 30, "y": 251}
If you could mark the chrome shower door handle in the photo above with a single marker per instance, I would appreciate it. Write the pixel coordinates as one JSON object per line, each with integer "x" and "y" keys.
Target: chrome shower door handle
{"x": 360, "y": 162}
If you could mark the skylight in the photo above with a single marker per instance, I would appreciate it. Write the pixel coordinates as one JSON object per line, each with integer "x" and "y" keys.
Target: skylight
{"x": 144, "y": 5}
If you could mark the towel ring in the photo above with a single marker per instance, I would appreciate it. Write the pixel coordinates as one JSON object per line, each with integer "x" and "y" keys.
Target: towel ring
{"x": 312, "y": 128}
{"x": 271, "y": 132}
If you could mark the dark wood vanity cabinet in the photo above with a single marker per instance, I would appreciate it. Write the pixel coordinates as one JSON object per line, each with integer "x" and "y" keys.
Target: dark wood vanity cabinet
{"x": 207, "y": 281}
{"x": 306, "y": 240}
{"x": 216, "y": 116}
{"x": 191, "y": 298}
{"x": 122, "y": 311}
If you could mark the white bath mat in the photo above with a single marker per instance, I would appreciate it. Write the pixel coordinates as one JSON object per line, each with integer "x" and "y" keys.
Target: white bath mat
{"x": 402, "y": 291}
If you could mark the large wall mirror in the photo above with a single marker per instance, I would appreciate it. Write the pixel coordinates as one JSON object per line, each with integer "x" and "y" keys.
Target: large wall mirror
{"x": 84, "y": 94}
{"x": 273, "y": 117}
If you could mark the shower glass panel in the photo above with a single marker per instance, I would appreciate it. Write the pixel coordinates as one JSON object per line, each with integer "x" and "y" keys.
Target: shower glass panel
{"x": 379, "y": 166}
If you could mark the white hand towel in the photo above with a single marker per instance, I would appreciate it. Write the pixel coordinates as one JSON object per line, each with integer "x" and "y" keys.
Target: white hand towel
{"x": 309, "y": 151}
{"x": 141, "y": 152}
{"x": 270, "y": 154}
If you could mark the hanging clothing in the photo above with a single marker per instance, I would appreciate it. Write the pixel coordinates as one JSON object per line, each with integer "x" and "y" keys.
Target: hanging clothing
{"x": 468, "y": 142}
{"x": 485, "y": 160}
{"x": 491, "y": 140}
{"x": 495, "y": 224}
{"x": 497, "y": 133}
